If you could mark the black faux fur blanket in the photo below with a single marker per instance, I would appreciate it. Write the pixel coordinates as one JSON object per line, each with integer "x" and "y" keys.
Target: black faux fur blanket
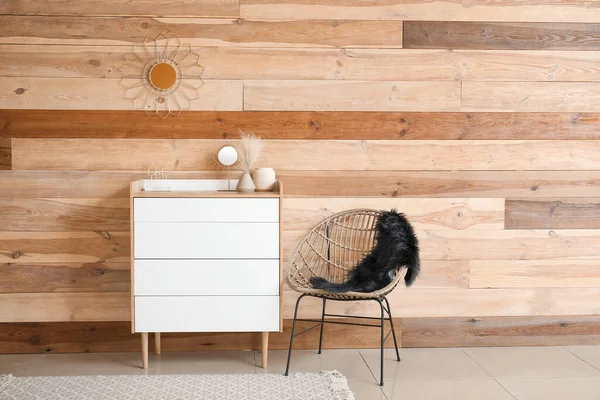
{"x": 396, "y": 246}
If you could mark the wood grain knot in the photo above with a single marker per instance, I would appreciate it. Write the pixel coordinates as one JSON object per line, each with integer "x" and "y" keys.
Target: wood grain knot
{"x": 563, "y": 324}
{"x": 534, "y": 188}
{"x": 239, "y": 21}
{"x": 145, "y": 25}
{"x": 95, "y": 63}
{"x": 16, "y": 254}
{"x": 20, "y": 90}
{"x": 105, "y": 235}
{"x": 335, "y": 23}
{"x": 35, "y": 338}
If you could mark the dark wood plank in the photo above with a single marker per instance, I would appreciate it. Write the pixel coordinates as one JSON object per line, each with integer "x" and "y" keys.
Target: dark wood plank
{"x": 199, "y": 32}
{"x": 65, "y": 277}
{"x": 5, "y": 153}
{"x": 449, "y": 184}
{"x": 552, "y": 214}
{"x": 501, "y": 35}
{"x": 301, "y": 125}
{"x": 501, "y": 331}
{"x": 157, "y": 8}
{"x": 29, "y": 215}
{"x": 93, "y": 337}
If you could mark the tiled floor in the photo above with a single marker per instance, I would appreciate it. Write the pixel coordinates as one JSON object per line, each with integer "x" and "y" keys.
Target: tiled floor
{"x": 526, "y": 373}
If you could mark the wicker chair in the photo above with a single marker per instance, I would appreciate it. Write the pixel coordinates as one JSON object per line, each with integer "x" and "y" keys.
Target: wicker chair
{"x": 330, "y": 250}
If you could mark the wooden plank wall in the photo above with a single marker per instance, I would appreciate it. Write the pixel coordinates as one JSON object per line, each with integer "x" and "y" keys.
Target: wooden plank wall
{"x": 480, "y": 121}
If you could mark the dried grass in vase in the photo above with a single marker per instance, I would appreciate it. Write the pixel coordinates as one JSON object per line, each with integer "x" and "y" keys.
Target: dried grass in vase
{"x": 249, "y": 149}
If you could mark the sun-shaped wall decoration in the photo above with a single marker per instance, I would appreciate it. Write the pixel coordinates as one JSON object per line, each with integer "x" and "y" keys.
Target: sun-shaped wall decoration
{"x": 170, "y": 76}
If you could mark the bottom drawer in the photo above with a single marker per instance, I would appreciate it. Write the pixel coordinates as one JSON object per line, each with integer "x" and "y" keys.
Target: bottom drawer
{"x": 206, "y": 313}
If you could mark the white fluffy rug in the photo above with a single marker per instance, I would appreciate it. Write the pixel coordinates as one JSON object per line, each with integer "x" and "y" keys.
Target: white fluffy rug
{"x": 326, "y": 385}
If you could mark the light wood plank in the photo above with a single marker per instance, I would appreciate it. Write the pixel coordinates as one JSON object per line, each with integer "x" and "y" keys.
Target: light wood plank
{"x": 105, "y": 94}
{"x": 553, "y": 213}
{"x": 73, "y": 61}
{"x": 200, "y": 31}
{"x": 394, "y": 184}
{"x": 501, "y": 331}
{"x": 165, "y": 8}
{"x": 407, "y": 303}
{"x": 351, "y": 96}
{"x": 55, "y": 307}
{"x": 424, "y": 213}
{"x": 64, "y": 247}
{"x": 443, "y": 274}
{"x": 530, "y": 96}
{"x": 534, "y": 273}
{"x": 299, "y": 125}
{"x": 501, "y": 35}
{"x": 454, "y": 245}
{"x": 305, "y": 155}
{"x": 64, "y": 214}
{"x": 436, "y": 10}
{"x": 528, "y": 65}
{"x": 64, "y": 277}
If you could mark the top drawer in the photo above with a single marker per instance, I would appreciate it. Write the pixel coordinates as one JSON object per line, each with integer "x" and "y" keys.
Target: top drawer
{"x": 205, "y": 210}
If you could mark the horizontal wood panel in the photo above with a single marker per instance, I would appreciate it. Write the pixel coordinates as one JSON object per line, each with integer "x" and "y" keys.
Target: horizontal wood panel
{"x": 530, "y": 96}
{"x": 444, "y": 10}
{"x": 108, "y": 62}
{"x": 443, "y": 274}
{"x": 64, "y": 247}
{"x": 200, "y": 31}
{"x": 501, "y": 331}
{"x": 105, "y": 94}
{"x": 522, "y": 65}
{"x": 64, "y": 214}
{"x": 396, "y": 184}
{"x": 64, "y": 277}
{"x": 501, "y": 36}
{"x": 534, "y": 273}
{"x": 56, "y": 307}
{"x": 115, "y": 277}
{"x": 453, "y": 245}
{"x": 351, "y": 96}
{"x": 462, "y": 303}
{"x": 552, "y": 213}
{"x": 182, "y": 155}
{"x": 164, "y": 8}
{"x": 436, "y": 245}
{"x": 325, "y": 125}
{"x": 94, "y": 337}
{"x": 5, "y": 154}
{"x": 72, "y": 61}
{"x": 305, "y": 213}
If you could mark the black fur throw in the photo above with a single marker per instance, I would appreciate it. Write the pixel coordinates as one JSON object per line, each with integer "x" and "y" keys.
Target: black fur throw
{"x": 396, "y": 247}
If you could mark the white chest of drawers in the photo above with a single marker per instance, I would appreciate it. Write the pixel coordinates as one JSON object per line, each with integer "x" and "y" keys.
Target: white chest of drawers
{"x": 205, "y": 261}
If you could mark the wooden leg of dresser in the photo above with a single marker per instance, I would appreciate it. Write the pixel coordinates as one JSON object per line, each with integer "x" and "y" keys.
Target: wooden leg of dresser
{"x": 265, "y": 348}
{"x": 145, "y": 350}
{"x": 157, "y": 342}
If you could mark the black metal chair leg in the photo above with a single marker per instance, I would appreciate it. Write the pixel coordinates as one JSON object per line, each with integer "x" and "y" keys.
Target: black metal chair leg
{"x": 382, "y": 339}
{"x": 387, "y": 303}
{"x": 322, "y": 324}
{"x": 287, "y": 367}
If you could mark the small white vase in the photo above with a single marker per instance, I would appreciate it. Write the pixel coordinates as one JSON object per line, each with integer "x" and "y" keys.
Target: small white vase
{"x": 264, "y": 179}
{"x": 245, "y": 184}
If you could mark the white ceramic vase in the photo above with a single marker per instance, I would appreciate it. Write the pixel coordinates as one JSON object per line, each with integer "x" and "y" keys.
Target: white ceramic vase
{"x": 245, "y": 184}
{"x": 264, "y": 179}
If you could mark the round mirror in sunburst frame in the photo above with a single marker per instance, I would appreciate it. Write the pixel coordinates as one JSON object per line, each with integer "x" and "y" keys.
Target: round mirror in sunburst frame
{"x": 163, "y": 76}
